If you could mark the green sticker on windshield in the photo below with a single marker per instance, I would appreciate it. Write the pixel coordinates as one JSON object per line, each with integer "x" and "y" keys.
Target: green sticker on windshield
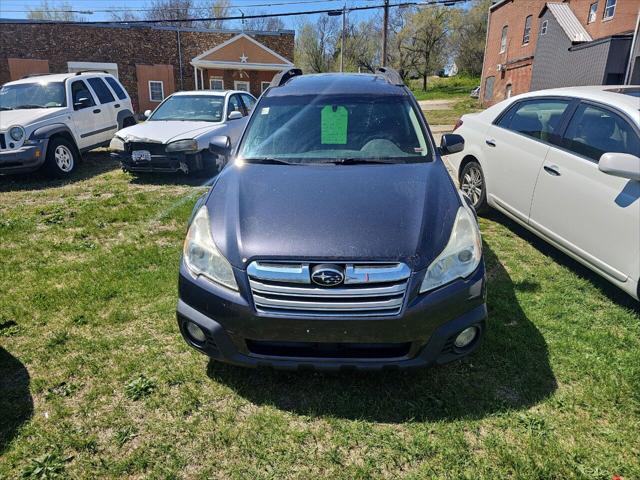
{"x": 333, "y": 125}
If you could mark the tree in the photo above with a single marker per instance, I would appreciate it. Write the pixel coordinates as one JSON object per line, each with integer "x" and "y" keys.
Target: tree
{"x": 268, "y": 24}
{"x": 362, "y": 46}
{"x": 171, "y": 10}
{"x": 61, "y": 12}
{"x": 315, "y": 43}
{"x": 469, "y": 35}
{"x": 403, "y": 60}
{"x": 217, "y": 9}
{"x": 425, "y": 39}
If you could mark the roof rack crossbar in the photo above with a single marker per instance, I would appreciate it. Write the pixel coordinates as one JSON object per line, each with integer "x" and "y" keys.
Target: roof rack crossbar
{"x": 80, "y": 72}
{"x": 284, "y": 75}
{"x": 390, "y": 75}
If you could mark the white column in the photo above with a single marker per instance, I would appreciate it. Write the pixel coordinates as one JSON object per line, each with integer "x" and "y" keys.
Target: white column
{"x": 195, "y": 77}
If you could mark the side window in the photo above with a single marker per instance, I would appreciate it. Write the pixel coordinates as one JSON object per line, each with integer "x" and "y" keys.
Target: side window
{"x": 536, "y": 118}
{"x": 103, "y": 93}
{"x": 527, "y": 30}
{"x": 248, "y": 101}
{"x": 594, "y": 131}
{"x": 235, "y": 104}
{"x": 115, "y": 85}
{"x": 81, "y": 96}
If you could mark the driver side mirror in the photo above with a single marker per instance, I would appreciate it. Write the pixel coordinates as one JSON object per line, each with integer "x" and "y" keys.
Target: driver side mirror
{"x": 451, "y": 143}
{"x": 81, "y": 103}
{"x": 235, "y": 115}
{"x": 220, "y": 145}
{"x": 622, "y": 165}
{"x": 146, "y": 114}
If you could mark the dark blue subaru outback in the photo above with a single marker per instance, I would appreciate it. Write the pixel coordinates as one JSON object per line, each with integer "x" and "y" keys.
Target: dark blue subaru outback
{"x": 334, "y": 238}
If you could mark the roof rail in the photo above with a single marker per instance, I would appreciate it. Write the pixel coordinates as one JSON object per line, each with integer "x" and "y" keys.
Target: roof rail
{"x": 390, "y": 75}
{"x": 284, "y": 75}
{"x": 90, "y": 71}
{"x": 34, "y": 75}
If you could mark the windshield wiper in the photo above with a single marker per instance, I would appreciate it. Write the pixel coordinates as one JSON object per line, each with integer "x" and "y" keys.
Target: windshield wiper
{"x": 24, "y": 107}
{"x": 267, "y": 161}
{"x": 356, "y": 161}
{"x": 6, "y": 108}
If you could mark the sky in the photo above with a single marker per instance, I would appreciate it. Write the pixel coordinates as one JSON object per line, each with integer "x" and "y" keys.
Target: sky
{"x": 17, "y": 9}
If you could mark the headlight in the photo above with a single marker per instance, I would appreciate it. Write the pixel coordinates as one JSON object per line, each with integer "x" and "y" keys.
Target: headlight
{"x": 183, "y": 146}
{"x": 460, "y": 257}
{"x": 16, "y": 133}
{"x": 201, "y": 255}
{"x": 116, "y": 144}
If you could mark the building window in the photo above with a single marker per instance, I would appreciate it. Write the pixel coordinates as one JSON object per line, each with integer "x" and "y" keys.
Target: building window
{"x": 264, "y": 86}
{"x": 543, "y": 28}
{"x": 508, "y": 91}
{"x": 593, "y": 9}
{"x": 488, "y": 88}
{"x": 216, "y": 83}
{"x": 503, "y": 40}
{"x": 156, "y": 91}
{"x": 527, "y": 30}
{"x": 241, "y": 85}
{"x": 609, "y": 9}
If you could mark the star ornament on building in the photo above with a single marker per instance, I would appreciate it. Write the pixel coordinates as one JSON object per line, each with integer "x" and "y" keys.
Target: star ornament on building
{"x": 243, "y": 58}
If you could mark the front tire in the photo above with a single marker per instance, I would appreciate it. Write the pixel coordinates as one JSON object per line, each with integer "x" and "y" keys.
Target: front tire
{"x": 473, "y": 185}
{"x": 62, "y": 158}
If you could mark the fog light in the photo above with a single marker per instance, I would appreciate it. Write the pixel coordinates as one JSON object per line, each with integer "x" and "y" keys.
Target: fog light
{"x": 195, "y": 332}
{"x": 465, "y": 337}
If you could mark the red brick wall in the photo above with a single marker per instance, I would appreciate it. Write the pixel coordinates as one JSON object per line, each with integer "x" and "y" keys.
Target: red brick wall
{"x": 624, "y": 19}
{"x": 127, "y": 47}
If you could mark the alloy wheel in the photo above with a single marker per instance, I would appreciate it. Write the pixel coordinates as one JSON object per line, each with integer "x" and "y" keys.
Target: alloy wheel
{"x": 472, "y": 184}
{"x": 64, "y": 158}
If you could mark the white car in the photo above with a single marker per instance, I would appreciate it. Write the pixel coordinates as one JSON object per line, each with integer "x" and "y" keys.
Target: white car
{"x": 48, "y": 121}
{"x": 176, "y": 136}
{"x": 565, "y": 164}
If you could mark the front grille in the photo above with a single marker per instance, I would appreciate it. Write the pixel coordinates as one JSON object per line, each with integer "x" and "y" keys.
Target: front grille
{"x": 328, "y": 350}
{"x": 368, "y": 290}
{"x": 153, "y": 148}
{"x": 3, "y": 143}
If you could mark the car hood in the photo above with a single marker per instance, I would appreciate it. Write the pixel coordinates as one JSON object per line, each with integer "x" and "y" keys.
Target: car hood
{"x": 386, "y": 213}
{"x": 10, "y": 118}
{"x": 165, "y": 131}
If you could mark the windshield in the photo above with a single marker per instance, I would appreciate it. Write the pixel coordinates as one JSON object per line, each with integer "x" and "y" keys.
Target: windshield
{"x": 197, "y": 108}
{"x": 331, "y": 128}
{"x": 32, "y": 95}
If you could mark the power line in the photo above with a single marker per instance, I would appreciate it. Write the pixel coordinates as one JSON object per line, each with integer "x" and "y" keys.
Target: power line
{"x": 236, "y": 17}
{"x": 229, "y": 7}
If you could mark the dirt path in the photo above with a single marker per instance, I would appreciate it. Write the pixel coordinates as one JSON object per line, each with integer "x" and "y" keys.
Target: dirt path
{"x": 436, "y": 104}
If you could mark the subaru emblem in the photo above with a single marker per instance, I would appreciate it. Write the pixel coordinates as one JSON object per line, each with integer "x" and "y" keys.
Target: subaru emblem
{"x": 327, "y": 275}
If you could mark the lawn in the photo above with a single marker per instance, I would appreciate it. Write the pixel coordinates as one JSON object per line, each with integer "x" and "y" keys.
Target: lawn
{"x": 444, "y": 88}
{"x": 96, "y": 382}
{"x": 449, "y": 116}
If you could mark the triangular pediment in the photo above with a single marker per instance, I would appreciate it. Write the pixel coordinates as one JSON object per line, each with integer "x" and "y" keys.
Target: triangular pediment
{"x": 242, "y": 49}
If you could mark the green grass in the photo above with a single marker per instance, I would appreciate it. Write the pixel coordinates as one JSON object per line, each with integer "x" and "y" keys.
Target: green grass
{"x": 444, "y": 88}
{"x": 449, "y": 116}
{"x": 96, "y": 382}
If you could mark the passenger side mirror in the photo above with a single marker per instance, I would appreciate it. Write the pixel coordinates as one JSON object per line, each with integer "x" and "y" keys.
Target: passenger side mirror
{"x": 451, "y": 143}
{"x": 146, "y": 114}
{"x": 220, "y": 145}
{"x": 81, "y": 103}
{"x": 622, "y": 165}
{"x": 235, "y": 115}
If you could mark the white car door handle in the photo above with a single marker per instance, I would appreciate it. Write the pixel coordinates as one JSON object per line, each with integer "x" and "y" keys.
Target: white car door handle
{"x": 491, "y": 142}
{"x": 552, "y": 170}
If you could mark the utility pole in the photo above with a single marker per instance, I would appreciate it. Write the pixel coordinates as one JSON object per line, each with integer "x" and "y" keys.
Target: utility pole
{"x": 342, "y": 40}
{"x": 385, "y": 26}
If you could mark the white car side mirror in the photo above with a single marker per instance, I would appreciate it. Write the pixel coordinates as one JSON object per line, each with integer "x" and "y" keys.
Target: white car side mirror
{"x": 622, "y": 165}
{"x": 147, "y": 113}
{"x": 235, "y": 115}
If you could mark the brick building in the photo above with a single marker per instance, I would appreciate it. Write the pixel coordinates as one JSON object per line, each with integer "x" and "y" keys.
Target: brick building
{"x": 151, "y": 61}
{"x": 533, "y": 44}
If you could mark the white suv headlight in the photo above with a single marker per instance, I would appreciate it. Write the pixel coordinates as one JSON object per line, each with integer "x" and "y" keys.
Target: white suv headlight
{"x": 16, "y": 133}
{"x": 201, "y": 255}
{"x": 460, "y": 257}
{"x": 116, "y": 144}
{"x": 189, "y": 145}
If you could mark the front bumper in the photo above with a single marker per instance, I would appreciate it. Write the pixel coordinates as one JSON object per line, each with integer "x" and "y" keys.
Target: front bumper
{"x": 168, "y": 163}
{"x": 425, "y": 328}
{"x": 27, "y": 158}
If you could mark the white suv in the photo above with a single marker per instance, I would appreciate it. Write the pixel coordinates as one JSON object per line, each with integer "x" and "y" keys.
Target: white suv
{"x": 48, "y": 121}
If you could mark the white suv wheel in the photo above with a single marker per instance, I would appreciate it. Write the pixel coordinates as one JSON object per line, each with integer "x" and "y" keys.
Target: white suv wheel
{"x": 64, "y": 158}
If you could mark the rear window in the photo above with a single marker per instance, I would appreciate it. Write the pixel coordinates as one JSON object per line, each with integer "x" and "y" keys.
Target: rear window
{"x": 103, "y": 93}
{"x": 310, "y": 128}
{"x": 116, "y": 87}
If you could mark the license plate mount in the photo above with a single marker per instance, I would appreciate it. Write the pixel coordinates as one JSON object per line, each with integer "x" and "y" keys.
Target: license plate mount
{"x": 141, "y": 156}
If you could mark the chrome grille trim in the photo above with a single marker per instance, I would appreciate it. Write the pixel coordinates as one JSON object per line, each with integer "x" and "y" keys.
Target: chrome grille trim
{"x": 369, "y": 290}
